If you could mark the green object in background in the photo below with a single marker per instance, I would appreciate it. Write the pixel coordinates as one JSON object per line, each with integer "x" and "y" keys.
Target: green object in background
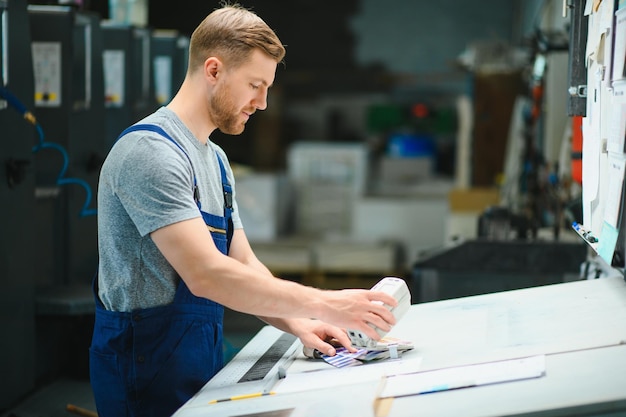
{"x": 445, "y": 121}
{"x": 385, "y": 117}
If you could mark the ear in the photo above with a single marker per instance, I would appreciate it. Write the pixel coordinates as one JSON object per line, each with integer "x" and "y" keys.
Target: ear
{"x": 212, "y": 67}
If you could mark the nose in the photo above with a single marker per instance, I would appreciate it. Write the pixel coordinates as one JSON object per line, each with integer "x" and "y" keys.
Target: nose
{"x": 260, "y": 101}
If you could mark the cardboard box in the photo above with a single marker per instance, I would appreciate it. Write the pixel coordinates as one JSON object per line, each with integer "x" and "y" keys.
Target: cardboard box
{"x": 265, "y": 202}
{"x": 473, "y": 199}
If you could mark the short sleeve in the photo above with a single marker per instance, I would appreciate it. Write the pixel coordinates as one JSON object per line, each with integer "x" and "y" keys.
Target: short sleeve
{"x": 155, "y": 184}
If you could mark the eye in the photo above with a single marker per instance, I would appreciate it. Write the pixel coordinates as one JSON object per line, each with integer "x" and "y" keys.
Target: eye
{"x": 255, "y": 87}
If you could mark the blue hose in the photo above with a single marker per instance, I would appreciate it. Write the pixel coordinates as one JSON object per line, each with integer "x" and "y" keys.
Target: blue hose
{"x": 61, "y": 179}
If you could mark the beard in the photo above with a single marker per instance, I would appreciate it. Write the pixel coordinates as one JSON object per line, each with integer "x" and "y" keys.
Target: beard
{"x": 225, "y": 113}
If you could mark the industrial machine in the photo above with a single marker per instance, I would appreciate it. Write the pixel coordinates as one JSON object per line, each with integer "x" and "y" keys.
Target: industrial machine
{"x": 69, "y": 103}
{"x": 169, "y": 53}
{"x": 18, "y": 247}
{"x": 66, "y": 47}
{"x": 129, "y": 89}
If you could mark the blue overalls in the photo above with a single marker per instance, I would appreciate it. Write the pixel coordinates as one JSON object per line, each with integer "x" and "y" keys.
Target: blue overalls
{"x": 150, "y": 361}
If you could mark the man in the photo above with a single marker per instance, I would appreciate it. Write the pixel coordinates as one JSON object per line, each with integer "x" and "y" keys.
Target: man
{"x": 172, "y": 248}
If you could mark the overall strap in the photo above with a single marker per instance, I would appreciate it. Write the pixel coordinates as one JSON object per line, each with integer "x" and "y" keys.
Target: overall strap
{"x": 227, "y": 188}
{"x": 228, "y": 201}
{"x": 155, "y": 129}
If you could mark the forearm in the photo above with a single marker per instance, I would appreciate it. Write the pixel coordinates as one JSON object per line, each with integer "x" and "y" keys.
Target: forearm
{"x": 241, "y": 251}
{"x": 250, "y": 290}
{"x": 289, "y": 325}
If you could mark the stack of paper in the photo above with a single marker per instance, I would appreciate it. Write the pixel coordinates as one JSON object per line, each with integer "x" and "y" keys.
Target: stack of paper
{"x": 387, "y": 347}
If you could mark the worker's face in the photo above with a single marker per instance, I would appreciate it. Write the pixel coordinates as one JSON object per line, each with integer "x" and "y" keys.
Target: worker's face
{"x": 240, "y": 92}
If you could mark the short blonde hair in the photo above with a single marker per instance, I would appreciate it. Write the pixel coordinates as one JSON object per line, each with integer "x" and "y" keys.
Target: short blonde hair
{"x": 231, "y": 33}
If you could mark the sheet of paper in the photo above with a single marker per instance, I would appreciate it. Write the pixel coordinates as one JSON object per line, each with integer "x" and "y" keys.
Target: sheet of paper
{"x": 463, "y": 377}
{"x": 617, "y": 128}
{"x": 612, "y": 208}
{"x": 607, "y": 11}
{"x": 596, "y": 5}
{"x": 599, "y": 53}
{"x": 619, "y": 49}
{"x": 591, "y": 161}
{"x": 330, "y": 376}
{"x": 593, "y": 35}
{"x": 607, "y": 242}
{"x": 614, "y": 195}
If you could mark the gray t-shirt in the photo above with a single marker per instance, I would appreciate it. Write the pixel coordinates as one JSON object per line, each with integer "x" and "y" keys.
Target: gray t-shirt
{"x": 146, "y": 183}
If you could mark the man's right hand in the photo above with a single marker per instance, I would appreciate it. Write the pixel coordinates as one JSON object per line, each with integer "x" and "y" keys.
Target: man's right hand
{"x": 358, "y": 310}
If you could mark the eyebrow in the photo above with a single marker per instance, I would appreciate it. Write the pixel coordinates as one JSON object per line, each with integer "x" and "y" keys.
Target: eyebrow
{"x": 262, "y": 81}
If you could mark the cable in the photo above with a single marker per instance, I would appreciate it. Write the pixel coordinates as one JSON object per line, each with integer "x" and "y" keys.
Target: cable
{"x": 61, "y": 179}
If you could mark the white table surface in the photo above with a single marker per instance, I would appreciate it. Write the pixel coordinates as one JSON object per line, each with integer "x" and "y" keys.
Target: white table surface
{"x": 580, "y": 327}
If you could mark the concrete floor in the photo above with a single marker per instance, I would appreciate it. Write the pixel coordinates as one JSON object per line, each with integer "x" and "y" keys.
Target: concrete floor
{"x": 51, "y": 400}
